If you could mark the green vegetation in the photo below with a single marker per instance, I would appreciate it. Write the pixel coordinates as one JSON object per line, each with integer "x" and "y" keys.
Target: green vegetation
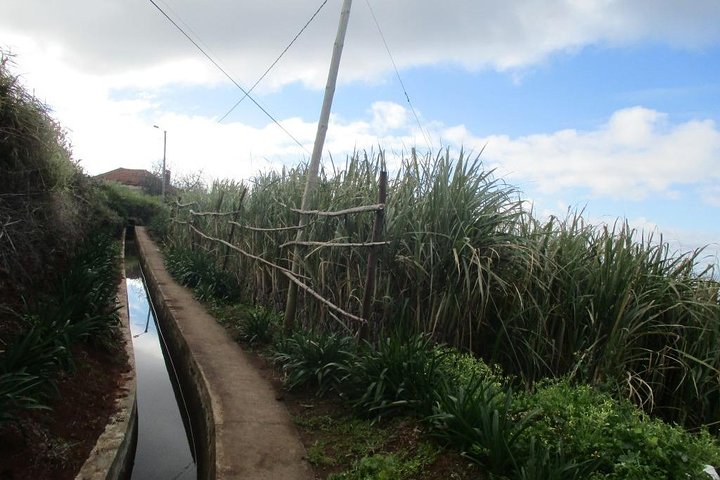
{"x": 58, "y": 253}
{"x": 260, "y": 326}
{"x": 603, "y": 323}
{"x": 469, "y": 265}
{"x": 384, "y": 467}
{"x": 396, "y": 375}
{"x": 196, "y": 269}
{"x": 557, "y": 430}
{"x": 315, "y": 359}
{"x": 621, "y": 442}
{"x": 44, "y": 199}
{"x": 130, "y": 206}
{"x": 78, "y": 309}
{"x": 361, "y": 441}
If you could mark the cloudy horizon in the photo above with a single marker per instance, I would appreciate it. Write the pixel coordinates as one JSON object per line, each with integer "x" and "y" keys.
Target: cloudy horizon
{"x": 604, "y": 105}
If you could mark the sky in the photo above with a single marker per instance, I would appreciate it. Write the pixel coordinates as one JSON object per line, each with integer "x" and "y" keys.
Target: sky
{"x": 607, "y": 106}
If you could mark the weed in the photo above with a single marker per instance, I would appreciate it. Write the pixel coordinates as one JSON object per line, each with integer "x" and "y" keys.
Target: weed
{"x": 580, "y": 423}
{"x": 259, "y": 325}
{"x": 197, "y": 270}
{"x": 316, "y": 359}
{"x": 380, "y": 467}
{"x": 317, "y": 455}
{"x": 393, "y": 466}
{"x": 399, "y": 374}
{"x": 343, "y": 437}
{"x": 19, "y": 391}
{"x": 480, "y": 419}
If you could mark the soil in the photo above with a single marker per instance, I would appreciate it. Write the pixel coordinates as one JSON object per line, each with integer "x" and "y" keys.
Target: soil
{"x": 54, "y": 444}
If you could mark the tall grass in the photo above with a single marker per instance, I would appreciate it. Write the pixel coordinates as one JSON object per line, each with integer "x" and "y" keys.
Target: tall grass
{"x": 38, "y": 206}
{"x": 470, "y": 265}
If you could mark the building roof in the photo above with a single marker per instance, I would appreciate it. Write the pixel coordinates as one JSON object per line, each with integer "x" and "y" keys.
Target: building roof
{"x": 127, "y": 176}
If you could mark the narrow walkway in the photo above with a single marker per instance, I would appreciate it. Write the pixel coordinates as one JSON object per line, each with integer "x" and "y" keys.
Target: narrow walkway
{"x": 249, "y": 434}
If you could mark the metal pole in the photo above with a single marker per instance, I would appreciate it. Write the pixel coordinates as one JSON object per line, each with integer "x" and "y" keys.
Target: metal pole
{"x": 162, "y": 180}
{"x": 314, "y": 166}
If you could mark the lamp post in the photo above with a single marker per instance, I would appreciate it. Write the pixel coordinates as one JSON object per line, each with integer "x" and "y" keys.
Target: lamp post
{"x": 162, "y": 180}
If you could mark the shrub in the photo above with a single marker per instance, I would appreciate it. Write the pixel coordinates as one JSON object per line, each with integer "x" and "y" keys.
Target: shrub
{"x": 80, "y": 308}
{"x": 133, "y": 206}
{"x": 19, "y": 391}
{"x": 398, "y": 374}
{"x": 376, "y": 467}
{"x": 315, "y": 359}
{"x": 622, "y": 442}
{"x": 197, "y": 270}
{"x": 462, "y": 368}
{"x": 259, "y": 325}
{"x": 480, "y": 419}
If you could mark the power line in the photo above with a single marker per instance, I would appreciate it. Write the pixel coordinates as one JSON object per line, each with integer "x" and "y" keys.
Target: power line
{"x": 397, "y": 73}
{"x": 227, "y": 75}
{"x": 275, "y": 62}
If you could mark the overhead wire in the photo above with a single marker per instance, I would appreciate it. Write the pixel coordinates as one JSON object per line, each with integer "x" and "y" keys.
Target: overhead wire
{"x": 425, "y": 135}
{"x": 224, "y": 72}
{"x": 276, "y": 61}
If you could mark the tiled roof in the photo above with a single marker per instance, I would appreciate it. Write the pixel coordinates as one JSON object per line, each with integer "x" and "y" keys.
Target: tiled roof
{"x": 127, "y": 176}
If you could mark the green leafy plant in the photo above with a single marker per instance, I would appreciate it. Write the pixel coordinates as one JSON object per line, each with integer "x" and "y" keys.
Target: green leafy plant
{"x": 79, "y": 309}
{"x": 481, "y": 420}
{"x": 540, "y": 463}
{"x": 582, "y": 423}
{"x": 463, "y": 368}
{"x": 316, "y": 359}
{"x": 196, "y": 269}
{"x": 19, "y": 391}
{"x": 259, "y": 325}
{"x": 378, "y": 467}
{"x": 398, "y": 374}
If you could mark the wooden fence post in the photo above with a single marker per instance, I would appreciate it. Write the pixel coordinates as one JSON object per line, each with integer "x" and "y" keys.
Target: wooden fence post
{"x": 232, "y": 228}
{"x": 191, "y": 231}
{"x": 372, "y": 259}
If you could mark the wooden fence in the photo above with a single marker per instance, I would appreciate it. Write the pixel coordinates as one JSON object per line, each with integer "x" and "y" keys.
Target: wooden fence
{"x": 215, "y": 220}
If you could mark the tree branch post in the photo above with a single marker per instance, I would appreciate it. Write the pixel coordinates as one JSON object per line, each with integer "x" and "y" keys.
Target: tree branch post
{"x": 372, "y": 259}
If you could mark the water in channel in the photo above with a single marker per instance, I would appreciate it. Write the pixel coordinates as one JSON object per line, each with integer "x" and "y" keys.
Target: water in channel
{"x": 165, "y": 447}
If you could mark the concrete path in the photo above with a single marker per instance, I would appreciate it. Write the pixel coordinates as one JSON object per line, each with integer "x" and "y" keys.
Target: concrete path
{"x": 243, "y": 431}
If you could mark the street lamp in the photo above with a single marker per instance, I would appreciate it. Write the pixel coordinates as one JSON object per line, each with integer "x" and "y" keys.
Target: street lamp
{"x": 162, "y": 180}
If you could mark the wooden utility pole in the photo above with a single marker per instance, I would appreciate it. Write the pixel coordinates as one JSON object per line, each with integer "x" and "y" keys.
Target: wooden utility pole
{"x": 312, "y": 174}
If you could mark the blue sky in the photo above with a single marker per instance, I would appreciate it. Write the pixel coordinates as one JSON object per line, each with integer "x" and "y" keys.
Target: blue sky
{"x": 605, "y": 105}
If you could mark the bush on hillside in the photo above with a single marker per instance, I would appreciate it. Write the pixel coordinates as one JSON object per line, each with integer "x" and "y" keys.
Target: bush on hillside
{"x": 41, "y": 197}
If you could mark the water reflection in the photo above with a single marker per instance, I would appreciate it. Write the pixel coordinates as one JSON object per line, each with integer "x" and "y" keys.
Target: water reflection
{"x": 164, "y": 448}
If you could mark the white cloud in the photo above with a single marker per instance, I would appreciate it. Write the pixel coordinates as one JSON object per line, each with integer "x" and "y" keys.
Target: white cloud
{"x": 711, "y": 195}
{"x": 130, "y": 40}
{"x": 388, "y": 116}
{"x": 635, "y": 154}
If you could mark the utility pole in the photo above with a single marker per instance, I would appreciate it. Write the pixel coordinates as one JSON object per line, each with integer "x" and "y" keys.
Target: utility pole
{"x": 162, "y": 180}
{"x": 314, "y": 166}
